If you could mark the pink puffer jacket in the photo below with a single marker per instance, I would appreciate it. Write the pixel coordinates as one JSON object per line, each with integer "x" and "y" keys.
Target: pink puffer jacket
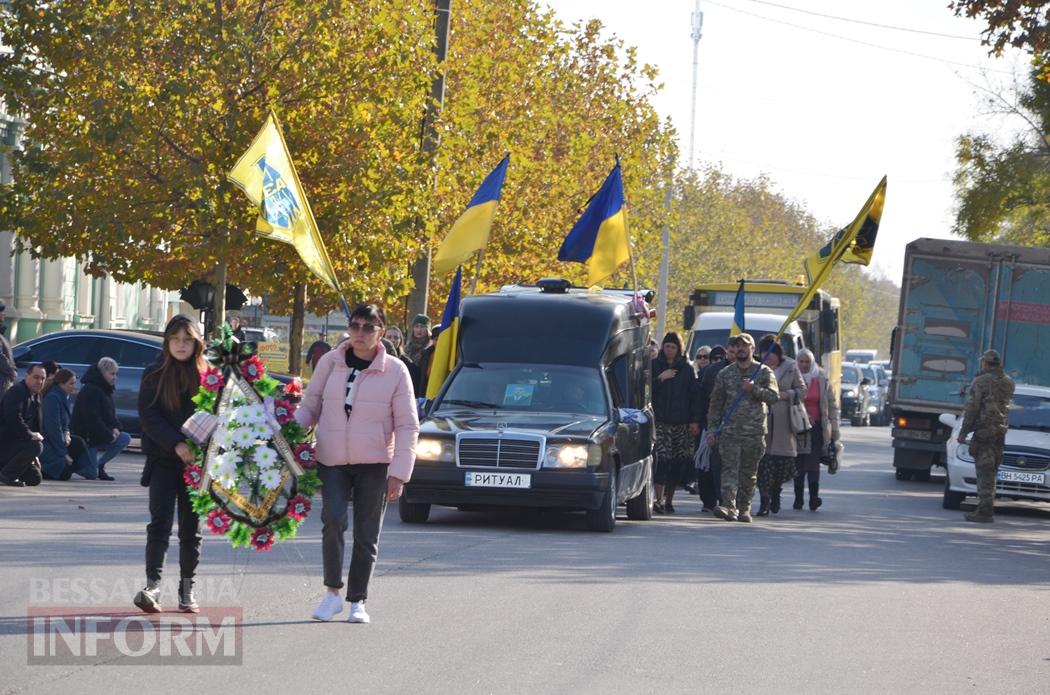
{"x": 382, "y": 427}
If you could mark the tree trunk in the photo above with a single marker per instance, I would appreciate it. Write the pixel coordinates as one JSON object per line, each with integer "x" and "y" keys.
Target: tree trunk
{"x": 295, "y": 336}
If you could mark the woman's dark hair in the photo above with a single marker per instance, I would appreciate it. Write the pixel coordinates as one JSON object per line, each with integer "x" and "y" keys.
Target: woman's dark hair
{"x": 369, "y": 312}
{"x": 674, "y": 339}
{"x": 717, "y": 353}
{"x": 770, "y": 340}
{"x": 50, "y": 367}
{"x": 174, "y": 378}
{"x": 60, "y": 376}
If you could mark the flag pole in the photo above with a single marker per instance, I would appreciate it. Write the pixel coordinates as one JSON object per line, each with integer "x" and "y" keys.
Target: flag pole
{"x": 477, "y": 271}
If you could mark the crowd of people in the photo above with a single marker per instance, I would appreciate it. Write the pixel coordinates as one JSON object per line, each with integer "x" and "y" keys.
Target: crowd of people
{"x": 724, "y": 426}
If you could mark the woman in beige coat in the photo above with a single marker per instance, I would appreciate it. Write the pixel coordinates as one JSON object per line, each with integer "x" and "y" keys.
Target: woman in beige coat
{"x": 778, "y": 464}
{"x": 824, "y": 414}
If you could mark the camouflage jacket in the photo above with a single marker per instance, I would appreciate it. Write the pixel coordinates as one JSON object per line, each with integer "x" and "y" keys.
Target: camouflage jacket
{"x": 749, "y": 418}
{"x": 986, "y": 410}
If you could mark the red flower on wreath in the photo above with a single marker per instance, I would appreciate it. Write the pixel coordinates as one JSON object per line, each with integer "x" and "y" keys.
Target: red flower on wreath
{"x": 294, "y": 390}
{"x": 299, "y": 507}
{"x": 304, "y": 454}
{"x": 219, "y": 521}
{"x": 283, "y": 411}
{"x": 192, "y": 475}
{"x": 253, "y": 368}
{"x": 262, "y": 538}
{"x": 212, "y": 380}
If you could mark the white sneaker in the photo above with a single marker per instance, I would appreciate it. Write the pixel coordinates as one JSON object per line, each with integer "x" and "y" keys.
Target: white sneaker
{"x": 331, "y": 606}
{"x": 357, "y": 613}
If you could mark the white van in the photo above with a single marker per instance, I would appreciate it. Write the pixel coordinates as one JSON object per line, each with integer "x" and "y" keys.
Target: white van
{"x": 712, "y": 328}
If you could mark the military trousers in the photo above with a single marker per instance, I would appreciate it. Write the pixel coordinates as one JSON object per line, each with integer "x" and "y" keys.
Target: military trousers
{"x": 986, "y": 458}
{"x": 740, "y": 457}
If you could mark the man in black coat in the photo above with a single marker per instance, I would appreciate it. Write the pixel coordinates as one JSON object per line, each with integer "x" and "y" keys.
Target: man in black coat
{"x": 709, "y": 481}
{"x": 95, "y": 416}
{"x": 20, "y": 437}
{"x": 8, "y": 371}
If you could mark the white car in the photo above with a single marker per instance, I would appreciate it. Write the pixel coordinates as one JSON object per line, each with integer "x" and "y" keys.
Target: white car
{"x": 1024, "y": 472}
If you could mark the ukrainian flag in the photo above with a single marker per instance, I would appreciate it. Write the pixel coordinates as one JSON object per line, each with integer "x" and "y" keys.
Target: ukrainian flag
{"x": 738, "y": 312}
{"x": 599, "y": 238}
{"x": 470, "y": 232}
{"x": 444, "y": 359}
{"x": 267, "y": 176}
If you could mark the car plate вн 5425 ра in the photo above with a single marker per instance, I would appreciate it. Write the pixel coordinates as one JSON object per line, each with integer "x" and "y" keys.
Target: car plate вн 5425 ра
{"x": 514, "y": 480}
{"x": 1021, "y": 477}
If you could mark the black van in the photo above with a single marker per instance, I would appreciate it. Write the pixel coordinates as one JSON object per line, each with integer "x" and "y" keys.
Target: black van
{"x": 548, "y": 407}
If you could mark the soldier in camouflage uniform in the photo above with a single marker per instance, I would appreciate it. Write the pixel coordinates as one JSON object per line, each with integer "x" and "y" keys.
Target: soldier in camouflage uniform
{"x": 742, "y": 439}
{"x": 985, "y": 415}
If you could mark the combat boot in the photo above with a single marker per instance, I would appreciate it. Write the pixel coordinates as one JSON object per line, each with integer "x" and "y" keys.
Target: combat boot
{"x": 187, "y": 602}
{"x": 725, "y": 513}
{"x": 979, "y": 518}
{"x": 148, "y": 600}
{"x": 745, "y": 516}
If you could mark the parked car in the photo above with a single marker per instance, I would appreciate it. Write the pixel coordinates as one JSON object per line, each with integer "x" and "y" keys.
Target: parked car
{"x": 78, "y": 349}
{"x": 879, "y": 407}
{"x": 536, "y": 415}
{"x": 1024, "y": 472}
{"x": 856, "y": 400}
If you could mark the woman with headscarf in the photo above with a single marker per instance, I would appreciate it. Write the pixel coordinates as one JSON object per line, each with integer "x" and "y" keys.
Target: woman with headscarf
{"x": 778, "y": 464}
{"x": 674, "y": 406}
{"x": 823, "y": 412}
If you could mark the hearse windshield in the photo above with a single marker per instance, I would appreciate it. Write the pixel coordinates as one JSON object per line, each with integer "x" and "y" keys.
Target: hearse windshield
{"x": 526, "y": 388}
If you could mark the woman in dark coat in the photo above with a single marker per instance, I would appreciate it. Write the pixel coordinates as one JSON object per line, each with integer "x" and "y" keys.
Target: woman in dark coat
{"x": 674, "y": 405}
{"x": 59, "y": 442}
{"x": 95, "y": 415}
{"x": 164, "y": 405}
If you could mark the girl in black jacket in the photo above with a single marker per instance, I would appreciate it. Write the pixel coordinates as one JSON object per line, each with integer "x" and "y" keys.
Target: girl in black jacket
{"x": 676, "y": 420}
{"x": 164, "y": 405}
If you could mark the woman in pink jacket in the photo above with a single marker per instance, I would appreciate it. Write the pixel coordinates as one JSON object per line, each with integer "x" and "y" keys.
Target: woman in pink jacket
{"x": 361, "y": 401}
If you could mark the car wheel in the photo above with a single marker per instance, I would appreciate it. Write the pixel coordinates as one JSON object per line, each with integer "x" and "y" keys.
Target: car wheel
{"x": 640, "y": 507}
{"x": 604, "y": 517}
{"x": 921, "y": 476}
{"x": 413, "y": 512}
{"x": 952, "y": 499}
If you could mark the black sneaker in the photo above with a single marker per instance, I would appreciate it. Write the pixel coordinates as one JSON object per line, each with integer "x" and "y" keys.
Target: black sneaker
{"x": 10, "y": 482}
{"x": 814, "y": 504}
{"x": 103, "y": 475}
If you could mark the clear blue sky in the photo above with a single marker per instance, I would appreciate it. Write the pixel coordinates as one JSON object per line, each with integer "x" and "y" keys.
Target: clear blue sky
{"x": 782, "y": 92}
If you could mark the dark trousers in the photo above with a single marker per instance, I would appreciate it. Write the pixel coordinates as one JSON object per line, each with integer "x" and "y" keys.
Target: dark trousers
{"x": 814, "y": 486}
{"x": 84, "y": 462}
{"x": 367, "y": 483}
{"x": 18, "y": 460}
{"x": 710, "y": 481}
{"x": 166, "y": 489}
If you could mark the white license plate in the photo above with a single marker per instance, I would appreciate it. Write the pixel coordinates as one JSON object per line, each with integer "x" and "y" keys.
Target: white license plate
{"x": 1019, "y": 477}
{"x": 515, "y": 480}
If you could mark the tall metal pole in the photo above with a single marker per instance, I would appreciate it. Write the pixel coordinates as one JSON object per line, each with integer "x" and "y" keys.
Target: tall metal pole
{"x": 698, "y": 25}
{"x": 665, "y": 263}
{"x": 417, "y": 298}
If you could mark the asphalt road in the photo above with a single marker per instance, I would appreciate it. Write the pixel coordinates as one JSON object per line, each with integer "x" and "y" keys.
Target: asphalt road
{"x": 880, "y": 591}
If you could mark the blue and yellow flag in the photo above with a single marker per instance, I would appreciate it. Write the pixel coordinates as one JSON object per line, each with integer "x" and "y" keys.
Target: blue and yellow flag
{"x": 444, "y": 359}
{"x": 738, "y": 312}
{"x": 599, "y": 238}
{"x": 470, "y": 232}
{"x": 267, "y": 176}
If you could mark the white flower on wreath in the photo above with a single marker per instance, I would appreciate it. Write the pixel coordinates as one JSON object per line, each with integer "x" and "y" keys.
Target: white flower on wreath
{"x": 265, "y": 457}
{"x": 227, "y": 480}
{"x": 270, "y": 478}
{"x": 251, "y": 414}
{"x": 224, "y": 438}
{"x": 244, "y": 437}
{"x": 223, "y": 466}
{"x": 261, "y": 431}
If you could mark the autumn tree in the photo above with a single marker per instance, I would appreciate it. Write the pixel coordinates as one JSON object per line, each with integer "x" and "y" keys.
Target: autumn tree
{"x": 137, "y": 111}
{"x": 1022, "y": 24}
{"x": 1002, "y": 188}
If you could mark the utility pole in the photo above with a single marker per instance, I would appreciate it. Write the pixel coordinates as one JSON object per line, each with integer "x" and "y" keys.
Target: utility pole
{"x": 665, "y": 263}
{"x": 417, "y": 298}
{"x": 698, "y": 25}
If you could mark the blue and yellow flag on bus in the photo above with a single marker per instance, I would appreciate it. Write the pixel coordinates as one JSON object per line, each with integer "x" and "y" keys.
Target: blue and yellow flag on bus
{"x": 599, "y": 238}
{"x": 470, "y": 232}
{"x": 444, "y": 359}
{"x": 738, "y": 312}
{"x": 267, "y": 176}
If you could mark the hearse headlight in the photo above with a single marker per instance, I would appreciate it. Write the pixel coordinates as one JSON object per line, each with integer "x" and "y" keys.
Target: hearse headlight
{"x": 571, "y": 456}
{"x": 851, "y": 394}
{"x": 432, "y": 449}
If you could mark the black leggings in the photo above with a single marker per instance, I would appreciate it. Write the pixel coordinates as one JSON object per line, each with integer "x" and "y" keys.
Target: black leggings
{"x": 814, "y": 486}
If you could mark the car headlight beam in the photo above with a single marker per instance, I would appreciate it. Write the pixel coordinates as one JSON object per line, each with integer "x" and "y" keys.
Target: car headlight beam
{"x": 571, "y": 456}
{"x": 433, "y": 449}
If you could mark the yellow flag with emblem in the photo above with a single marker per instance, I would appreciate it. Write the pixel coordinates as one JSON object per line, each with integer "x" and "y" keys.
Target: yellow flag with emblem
{"x": 267, "y": 176}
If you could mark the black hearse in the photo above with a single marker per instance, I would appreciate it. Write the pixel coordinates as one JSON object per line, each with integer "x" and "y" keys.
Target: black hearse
{"x": 548, "y": 407}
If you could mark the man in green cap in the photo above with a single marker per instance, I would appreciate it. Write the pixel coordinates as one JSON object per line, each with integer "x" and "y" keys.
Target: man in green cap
{"x": 986, "y": 416}
{"x": 419, "y": 338}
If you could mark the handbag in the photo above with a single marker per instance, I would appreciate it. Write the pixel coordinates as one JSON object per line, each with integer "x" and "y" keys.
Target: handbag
{"x": 799, "y": 417}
